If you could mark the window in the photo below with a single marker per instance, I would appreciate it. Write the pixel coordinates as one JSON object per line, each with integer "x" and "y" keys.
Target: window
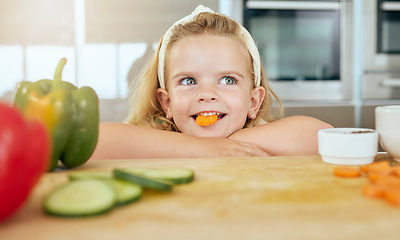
{"x": 101, "y": 39}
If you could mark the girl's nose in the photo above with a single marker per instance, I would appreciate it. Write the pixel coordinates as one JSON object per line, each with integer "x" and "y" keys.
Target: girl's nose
{"x": 206, "y": 94}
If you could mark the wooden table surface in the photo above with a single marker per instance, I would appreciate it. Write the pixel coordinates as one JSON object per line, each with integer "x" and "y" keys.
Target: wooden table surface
{"x": 231, "y": 198}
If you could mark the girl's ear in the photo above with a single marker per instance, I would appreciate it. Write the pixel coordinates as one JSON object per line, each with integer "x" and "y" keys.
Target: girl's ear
{"x": 165, "y": 101}
{"x": 256, "y": 100}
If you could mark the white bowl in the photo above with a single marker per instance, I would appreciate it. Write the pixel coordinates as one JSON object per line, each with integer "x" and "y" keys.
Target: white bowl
{"x": 348, "y": 146}
{"x": 387, "y": 124}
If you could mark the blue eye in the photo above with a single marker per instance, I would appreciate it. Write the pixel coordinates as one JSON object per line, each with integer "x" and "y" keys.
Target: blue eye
{"x": 228, "y": 80}
{"x": 188, "y": 81}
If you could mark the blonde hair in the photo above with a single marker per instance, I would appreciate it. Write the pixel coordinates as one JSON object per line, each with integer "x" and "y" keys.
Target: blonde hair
{"x": 147, "y": 111}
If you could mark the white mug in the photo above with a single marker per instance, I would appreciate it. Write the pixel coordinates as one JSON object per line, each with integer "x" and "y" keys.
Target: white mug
{"x": 387, "y": 123}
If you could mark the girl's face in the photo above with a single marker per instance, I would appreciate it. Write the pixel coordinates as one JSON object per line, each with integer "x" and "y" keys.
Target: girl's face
{"x": 209, "y": 74}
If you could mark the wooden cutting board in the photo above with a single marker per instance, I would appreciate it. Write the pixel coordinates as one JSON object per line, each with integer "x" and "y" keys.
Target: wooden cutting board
{"x": 231, "y": 198}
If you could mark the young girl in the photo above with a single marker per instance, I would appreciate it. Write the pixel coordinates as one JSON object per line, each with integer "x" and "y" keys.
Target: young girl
{"x": 205, "y": 94}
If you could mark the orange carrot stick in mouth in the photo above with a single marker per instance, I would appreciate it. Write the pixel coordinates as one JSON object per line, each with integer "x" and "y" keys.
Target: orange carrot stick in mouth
{"x": 206, "y": 120}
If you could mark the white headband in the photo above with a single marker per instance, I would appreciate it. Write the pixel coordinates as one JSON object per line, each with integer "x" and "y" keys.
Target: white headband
{"x": 251, "y": 46}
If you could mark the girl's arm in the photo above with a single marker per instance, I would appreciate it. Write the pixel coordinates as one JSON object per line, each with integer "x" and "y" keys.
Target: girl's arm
{"x": 127, "y": 141}
{"x": 288, "y": 136}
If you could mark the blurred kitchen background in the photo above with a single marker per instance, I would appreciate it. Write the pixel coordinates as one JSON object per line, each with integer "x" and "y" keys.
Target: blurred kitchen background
{"x": 334, "y": 60}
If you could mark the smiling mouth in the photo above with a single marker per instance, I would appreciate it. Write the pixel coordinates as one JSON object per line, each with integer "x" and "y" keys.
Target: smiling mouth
{"x": 219, "y": 115}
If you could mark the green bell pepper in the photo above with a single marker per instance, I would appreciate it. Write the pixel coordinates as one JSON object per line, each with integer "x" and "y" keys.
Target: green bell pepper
{"x": 70, "y": 113}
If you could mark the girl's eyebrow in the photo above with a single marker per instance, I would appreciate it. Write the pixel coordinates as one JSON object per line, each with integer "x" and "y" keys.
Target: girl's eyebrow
{"x": 232, "y": 73}
{"x": 182, "y": 74}
{"x": 193, "y": 74}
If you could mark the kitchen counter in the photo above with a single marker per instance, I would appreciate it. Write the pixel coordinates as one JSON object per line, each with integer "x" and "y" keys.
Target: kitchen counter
{"x": 231, "y": 198}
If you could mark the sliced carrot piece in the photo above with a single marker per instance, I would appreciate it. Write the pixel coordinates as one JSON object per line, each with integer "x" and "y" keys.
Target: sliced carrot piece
{"x": 396, "y": 171}
{"x": 374, "y": 191}
{"x": 346, "y": 172}
{"x": 382, "y": 168}
{"x": 206, "y": 120}
{"x": 393, "y": 196}
{"x": 373, "y": 177}
{"x": 388, "y": 181}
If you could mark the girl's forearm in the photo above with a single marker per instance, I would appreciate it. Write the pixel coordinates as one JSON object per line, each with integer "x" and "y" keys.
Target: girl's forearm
{"x": 127, "y": 141}
{"x": 117, "y": 140}
{"x": 289, "y": 136}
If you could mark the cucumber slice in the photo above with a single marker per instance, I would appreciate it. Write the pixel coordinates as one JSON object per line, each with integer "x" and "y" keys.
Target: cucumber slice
{"x": 172, "y": 175}
{"x": 83, "y": 175}
{"x": 142, "y": 181}
{"x": 87, "y": 197}
{"x": 126, "y": 192}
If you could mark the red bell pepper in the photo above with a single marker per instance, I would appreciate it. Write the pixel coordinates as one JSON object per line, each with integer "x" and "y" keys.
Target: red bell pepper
{"x": 25, "y": 153}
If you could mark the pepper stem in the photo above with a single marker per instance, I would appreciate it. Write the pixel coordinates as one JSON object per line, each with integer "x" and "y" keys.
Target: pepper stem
{"x": 57, "y": 75}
